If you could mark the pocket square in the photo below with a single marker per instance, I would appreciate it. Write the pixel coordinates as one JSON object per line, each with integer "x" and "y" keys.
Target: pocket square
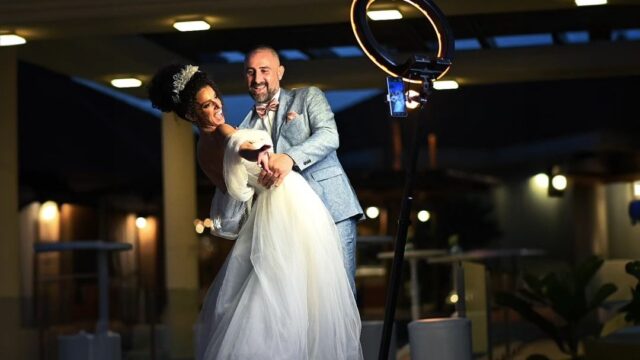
{"x": 291, "y": 115}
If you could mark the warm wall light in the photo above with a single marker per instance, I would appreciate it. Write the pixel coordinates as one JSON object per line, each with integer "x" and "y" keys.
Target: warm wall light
{"x": 141, "y": 222}
{"x": 48, "y": 211}
{"x": 372, "y": 212}
{"x": 200, "y": 228}
{"x": 636, "y": 189}
{"x": 11, "y": 39}
{"x": 380, "y": 15}
{"x": 590, "y": 2}
{"x": 198, "y": 25}
{"x": 541, "y": 181}
{"x": 207, "y": 223}
{"x": 124, "y": 83}
{"x": 445, "y": 85}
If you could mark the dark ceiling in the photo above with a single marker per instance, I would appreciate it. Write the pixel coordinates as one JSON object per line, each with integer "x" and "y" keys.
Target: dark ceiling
{"x": 101, "y": 39}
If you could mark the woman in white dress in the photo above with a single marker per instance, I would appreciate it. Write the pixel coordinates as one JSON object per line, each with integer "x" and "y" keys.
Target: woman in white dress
{"x": 283, "y": 291}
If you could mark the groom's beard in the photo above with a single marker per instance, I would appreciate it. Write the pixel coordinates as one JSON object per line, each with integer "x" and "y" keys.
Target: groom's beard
{"x": 262, "y": 97}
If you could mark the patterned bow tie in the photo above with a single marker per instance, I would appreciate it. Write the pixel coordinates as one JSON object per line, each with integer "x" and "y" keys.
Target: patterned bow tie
{"x": 262, "y": 109}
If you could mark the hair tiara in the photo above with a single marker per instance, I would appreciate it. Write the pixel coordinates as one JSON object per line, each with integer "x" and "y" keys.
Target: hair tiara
{"x": 181, "y": 79}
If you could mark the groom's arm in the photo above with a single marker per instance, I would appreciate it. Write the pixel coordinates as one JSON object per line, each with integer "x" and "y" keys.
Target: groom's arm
{"x": 322, "y": 141}
{"x": 324, "y": 132}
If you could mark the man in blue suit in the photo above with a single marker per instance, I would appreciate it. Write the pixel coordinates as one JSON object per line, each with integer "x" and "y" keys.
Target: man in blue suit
{"x": 305, "y": 139}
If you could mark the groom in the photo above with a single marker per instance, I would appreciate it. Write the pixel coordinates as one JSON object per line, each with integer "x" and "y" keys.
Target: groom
{"x": 305, "y": 140}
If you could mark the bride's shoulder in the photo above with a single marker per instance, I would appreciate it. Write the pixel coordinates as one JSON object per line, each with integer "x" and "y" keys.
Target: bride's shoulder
{"x": 252, "y": 134}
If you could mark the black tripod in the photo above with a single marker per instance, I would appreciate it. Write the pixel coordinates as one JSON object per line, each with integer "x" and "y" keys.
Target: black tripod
{"x": 404, "y": 222}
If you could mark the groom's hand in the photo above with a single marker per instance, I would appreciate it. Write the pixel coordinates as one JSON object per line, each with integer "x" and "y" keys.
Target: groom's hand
{"x": 280, "y": 166}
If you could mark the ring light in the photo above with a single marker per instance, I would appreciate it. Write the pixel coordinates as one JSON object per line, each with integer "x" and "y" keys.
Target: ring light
{"x": 416, "y": 68}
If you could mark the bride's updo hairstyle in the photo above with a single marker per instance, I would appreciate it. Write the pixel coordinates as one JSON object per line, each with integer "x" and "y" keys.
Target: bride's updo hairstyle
{"x": 174, "y": 88}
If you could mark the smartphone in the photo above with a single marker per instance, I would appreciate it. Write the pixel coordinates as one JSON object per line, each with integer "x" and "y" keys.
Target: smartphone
{"x": 396, "y": 97}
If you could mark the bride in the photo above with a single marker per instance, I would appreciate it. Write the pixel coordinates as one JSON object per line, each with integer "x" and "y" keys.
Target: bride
{"x": 283, "y": 292}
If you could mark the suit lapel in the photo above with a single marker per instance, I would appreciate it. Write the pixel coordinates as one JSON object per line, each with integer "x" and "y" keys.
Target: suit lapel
{"x": 249, "y": 121}
{"x": 285, "y": 98}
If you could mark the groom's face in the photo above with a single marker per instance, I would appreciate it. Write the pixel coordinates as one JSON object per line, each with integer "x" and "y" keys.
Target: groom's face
{"x": 263, "y": 73}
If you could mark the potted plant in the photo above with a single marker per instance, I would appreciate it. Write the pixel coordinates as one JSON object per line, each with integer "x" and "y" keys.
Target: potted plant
{"x": 565, "y": 295}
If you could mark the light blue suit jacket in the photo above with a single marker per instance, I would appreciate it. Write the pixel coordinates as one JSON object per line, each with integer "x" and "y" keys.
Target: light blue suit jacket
{"x": 304, "y": 129}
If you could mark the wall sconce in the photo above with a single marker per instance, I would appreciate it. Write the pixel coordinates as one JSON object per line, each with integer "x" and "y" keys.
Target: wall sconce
{"x": 635, "y": 189}
{"x": 141, "y": 222}
{"x": 372, "y": 212}
{"x": 48, "y": 211}
{"x": 557, "y": 183}
{"x": 424, "y": 215}
{"x": 634, "y": 204}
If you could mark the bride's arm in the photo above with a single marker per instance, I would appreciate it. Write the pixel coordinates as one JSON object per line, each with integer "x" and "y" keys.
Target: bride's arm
{"x": 225, "y": 131}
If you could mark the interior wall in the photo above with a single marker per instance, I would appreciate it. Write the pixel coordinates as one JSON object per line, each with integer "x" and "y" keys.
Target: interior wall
{"x": 529, "y": 218}
{"x": 624, "y": 237}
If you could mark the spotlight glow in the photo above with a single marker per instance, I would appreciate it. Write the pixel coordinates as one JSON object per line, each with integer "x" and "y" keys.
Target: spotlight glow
{"x": 207, "y": 223}
{"x": 198, "y": 25}
{"x": 11, "y": 40}
{"x": 590, "y": 2}
{"x": 453, "y": 298}
{"x": 141, "y": 222}
{"x": 559, "y": 182}
{"x": 48, "y": 211}
{"x": 424, "y": 215}
{"x": 372, "y": 212}
{"x": 541, "y": 181}
{"x": 200, "y": 228}
{"x": 125, "y": 83}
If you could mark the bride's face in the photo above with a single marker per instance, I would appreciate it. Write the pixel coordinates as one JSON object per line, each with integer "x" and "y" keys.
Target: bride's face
{"x": 208, "y": 111}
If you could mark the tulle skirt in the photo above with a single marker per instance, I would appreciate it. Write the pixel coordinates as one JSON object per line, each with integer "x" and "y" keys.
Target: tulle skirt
{"x": 283, "y": 291}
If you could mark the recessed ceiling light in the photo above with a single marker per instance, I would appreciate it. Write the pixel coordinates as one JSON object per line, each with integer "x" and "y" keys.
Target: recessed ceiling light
{"x": 378, "y": 15}
{"x": 11, "y": 39}
{"x": 445, "y": 85}
{"x": 590, "y": 2}
{"x": 124, "y": 83}
{"x": 197, "y": 25}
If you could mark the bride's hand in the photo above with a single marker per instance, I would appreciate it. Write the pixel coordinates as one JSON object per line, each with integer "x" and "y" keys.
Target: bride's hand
{"x": 263, "y": 160}
{"x": 260, "y": 155}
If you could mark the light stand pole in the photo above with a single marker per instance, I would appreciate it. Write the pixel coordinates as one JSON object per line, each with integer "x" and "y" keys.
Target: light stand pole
{"x": 403, "y": 226}
{"x": 416, "y": 70}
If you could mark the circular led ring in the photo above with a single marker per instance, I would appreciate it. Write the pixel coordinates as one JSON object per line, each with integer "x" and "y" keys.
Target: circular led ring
{"x": 374, "y": 51}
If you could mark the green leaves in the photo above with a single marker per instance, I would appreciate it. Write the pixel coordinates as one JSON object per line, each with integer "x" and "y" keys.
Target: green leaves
{"x": 633, "y": 268}
{"x": 632, "y": 309}
{"x": 566, "y": 295}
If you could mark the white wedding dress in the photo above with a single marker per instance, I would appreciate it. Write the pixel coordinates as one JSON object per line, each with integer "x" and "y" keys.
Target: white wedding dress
{"x": 283, "y": 291}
